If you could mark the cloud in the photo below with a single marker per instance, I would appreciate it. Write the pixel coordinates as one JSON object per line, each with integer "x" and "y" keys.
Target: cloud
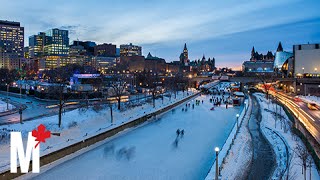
{"x": 163, "y": 26}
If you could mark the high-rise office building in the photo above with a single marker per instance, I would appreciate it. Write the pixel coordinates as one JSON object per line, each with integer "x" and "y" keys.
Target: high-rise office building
{"x": 11, "y": 44}
{"x": 51, "y": 46}
{"x": 59, "y": 44}
{"x": 37, "y": 44}
{"x": 130, "y": 50}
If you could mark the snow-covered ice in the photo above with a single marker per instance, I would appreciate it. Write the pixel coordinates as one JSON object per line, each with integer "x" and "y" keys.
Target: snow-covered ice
{"x": 3, "y": 106}
{"x": 153, "y": 151}
{"x": 77, "y": 125}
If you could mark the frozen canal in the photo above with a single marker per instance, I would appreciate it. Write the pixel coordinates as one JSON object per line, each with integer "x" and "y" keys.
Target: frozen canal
{"x": 153, "y": 151}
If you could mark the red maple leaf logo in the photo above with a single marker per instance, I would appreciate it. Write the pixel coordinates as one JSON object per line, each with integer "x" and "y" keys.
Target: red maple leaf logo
{"x": 41, "y": 135}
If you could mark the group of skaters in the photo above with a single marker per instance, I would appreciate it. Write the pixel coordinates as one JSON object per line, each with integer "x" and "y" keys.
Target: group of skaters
{"x": 180, "y": 134}
{"x": 189, "y": 104}
{"x": 123, "y": 153}
{"x": 217, "y": 101}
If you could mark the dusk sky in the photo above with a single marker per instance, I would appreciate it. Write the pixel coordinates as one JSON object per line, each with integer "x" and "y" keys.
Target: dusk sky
{"x": 226, "y": 30}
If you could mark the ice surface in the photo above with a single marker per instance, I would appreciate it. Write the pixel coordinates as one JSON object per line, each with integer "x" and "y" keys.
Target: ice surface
{"x": 151, "y": 152}
{"x": 3, "y": 106}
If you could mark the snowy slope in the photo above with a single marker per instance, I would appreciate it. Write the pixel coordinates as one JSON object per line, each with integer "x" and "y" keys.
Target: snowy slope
{"x": 274, "y": 132}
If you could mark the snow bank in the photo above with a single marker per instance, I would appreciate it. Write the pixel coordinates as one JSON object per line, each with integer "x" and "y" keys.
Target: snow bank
{"x": 3, "y": 106}
{"x": 284, "y": 142}
{"x": 234, "y": 152}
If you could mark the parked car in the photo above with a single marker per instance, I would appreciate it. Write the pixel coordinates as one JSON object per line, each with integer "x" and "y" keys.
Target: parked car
{"x": 312, "y": 106}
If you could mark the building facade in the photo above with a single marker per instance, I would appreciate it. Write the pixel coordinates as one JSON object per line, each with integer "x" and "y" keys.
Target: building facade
{"x": 203, "y": 66}
{"x": 130, "y": 50}
{"x": 77, "y": 55}
{"x": 104, "y": 64}
{"x": 87, "y": 45}
{"x": 11, "y": 44}
{"x": 255, "y": 56}
{"x": 105, "y": 50}
{"x": 155, "y": 64}
{"x": 37, "y": 44}
{"x": 283, "y": 63}
{"x": 59, "y": 44}
{"x": 184, "y": 56}
{"x": 251, "y": 68}
{"x": 306, "y": 60}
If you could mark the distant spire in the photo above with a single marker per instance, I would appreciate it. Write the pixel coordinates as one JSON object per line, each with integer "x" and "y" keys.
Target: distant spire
{"x": 185, "y": 46}
{"x": 203, "y": 58}
{"x": 149, "y": 55}
{"x": 279, "y": 49}
{"x": 253, "y": 52}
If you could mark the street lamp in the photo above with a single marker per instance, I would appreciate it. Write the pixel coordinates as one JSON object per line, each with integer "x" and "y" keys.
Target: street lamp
{"x": 237, "y": 121}
{"x": 216, "y": 149}
{"x": 20, "y": 112}
{"x": 245, "y": 105}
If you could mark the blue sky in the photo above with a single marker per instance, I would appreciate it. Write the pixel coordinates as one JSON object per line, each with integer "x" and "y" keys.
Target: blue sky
{"x": 226, "y": 30}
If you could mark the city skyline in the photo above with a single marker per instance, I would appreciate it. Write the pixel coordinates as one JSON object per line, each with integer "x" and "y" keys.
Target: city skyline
{"x": 223, "y": 30}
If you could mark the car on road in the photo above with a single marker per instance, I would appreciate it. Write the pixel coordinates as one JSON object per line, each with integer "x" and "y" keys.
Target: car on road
{"x": 312, "y": 106}
{"x": 297, "y": 99}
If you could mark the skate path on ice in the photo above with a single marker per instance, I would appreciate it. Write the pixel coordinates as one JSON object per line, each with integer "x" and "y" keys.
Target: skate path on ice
{"x": 154, "y": 155}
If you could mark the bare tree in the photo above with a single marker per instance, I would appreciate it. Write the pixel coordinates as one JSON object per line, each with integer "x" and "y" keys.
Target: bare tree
{"x": 118, "y": 86}
{"x": 266, "y": 81}
{"x": 181, "y": 82}
{"x": 289, "y": 175}
{"x": 309, "y": 165}
{"x": 153, "y": 83}
{"x": 7, "y": 77}
{"x": 59, "y": 78}
{"x": 305, "y": 157}
{"x": 170, "y": 86}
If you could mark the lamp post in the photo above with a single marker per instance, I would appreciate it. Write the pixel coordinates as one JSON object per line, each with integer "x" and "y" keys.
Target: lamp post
{"x": 237, "y": 122}
{"x": 245, "y": 105}
{"x": 7, "y": 96}
{"x": 20, "y": 112}
{"x": 216, "y": 149}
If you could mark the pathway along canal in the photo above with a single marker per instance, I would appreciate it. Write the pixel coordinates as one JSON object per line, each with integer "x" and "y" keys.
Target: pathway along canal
{"x": 263, "y": 161}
